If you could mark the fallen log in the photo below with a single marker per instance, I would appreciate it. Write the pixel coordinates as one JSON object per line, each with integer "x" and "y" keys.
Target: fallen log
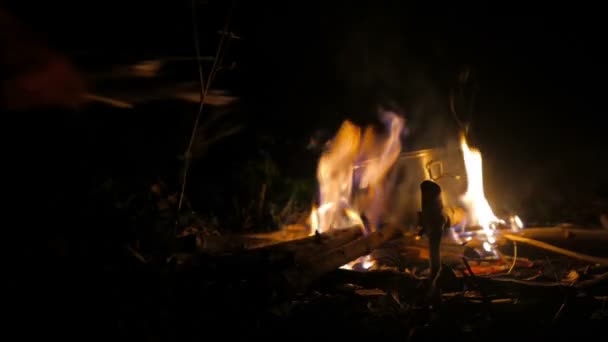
{"x": 300, "y": 276}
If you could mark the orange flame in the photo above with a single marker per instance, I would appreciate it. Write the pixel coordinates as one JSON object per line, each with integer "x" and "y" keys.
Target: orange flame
{"x": 335, "y": 176}
{"x": 335, "y": 173}
{"x": 479, "y": 211}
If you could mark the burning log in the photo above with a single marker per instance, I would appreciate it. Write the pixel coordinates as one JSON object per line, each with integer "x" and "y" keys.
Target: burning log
{"x": 300, "y": 276}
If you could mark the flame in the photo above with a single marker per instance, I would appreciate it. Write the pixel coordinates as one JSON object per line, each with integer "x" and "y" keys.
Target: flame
{"x": 335, "y": 173}
{"x": 479, "y": 211}
{"x": 364, "y": 262}
{"x": 384, "y": 154}
{"x": 516, "y": 223}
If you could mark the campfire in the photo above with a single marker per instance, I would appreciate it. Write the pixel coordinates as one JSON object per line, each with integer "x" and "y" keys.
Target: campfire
{"x": 352, "y": 226}
{"x": 461, "y": 251}
{"x": 358, "y": 162}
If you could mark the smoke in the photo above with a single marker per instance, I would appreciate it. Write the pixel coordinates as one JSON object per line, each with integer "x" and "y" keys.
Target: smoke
{"x": 382, "y": 64}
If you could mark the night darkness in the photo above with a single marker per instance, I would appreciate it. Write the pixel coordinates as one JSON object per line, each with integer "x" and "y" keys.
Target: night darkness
{"x": 301, "y": 68}
{"x": 304, "y": 68}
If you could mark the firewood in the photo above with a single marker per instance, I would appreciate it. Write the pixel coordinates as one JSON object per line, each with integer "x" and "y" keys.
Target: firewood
{"x": 300, "y": 276}
{"x": 307, "y": 248}
{"x": 234, "y": 244}
{"x": 279, "y": 256}
{"x": 217, "y": 245}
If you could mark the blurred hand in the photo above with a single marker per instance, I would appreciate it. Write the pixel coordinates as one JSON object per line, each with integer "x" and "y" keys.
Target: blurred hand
{"x": 54, "y": 83}
{"x": 34, "y": 75}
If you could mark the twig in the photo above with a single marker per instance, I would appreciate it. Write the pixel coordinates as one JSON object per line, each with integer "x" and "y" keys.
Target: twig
{"x": 204, "y": 91}
{"x": 473, "y": 277}
{"x": 592, "y": 282}
{"x": 136, "y": 254}
{"x": 514, "y": 257}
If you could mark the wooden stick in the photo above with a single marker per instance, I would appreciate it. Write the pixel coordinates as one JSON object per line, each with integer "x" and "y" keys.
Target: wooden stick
{"x": 433, "y": 221}
{"x": 555, "y": 249}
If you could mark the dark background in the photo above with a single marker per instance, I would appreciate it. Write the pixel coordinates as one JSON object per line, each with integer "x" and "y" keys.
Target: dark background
{"x": 304, "y": 67}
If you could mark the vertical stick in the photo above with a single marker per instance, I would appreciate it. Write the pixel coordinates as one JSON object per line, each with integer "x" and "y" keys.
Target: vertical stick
{"x": 433, "y": 221}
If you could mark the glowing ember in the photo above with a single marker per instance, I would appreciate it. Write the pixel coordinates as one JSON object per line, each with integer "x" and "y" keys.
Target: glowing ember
{"x": 364, "y": 262}
{"x": 516, "y": 223}
{"x": 479, "y": 211}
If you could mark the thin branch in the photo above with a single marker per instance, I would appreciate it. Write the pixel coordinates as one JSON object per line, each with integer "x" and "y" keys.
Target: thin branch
{"x": 555, "y": 249}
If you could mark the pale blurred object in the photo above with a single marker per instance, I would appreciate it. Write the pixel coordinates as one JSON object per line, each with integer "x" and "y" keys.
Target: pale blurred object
{"x": 149, "y": 68}
{"x": 604, "y": 220}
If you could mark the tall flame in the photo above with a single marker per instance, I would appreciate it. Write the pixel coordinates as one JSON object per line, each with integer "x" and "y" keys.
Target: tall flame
{"x": 335, "y": 173}
{"x": 384, "y": 154}
{"x": 479, "y": 211}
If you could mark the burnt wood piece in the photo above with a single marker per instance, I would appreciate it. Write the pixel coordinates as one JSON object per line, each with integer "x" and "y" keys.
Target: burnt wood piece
{"x": 405, "y": 284}
{"x": 302, "y": 275}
